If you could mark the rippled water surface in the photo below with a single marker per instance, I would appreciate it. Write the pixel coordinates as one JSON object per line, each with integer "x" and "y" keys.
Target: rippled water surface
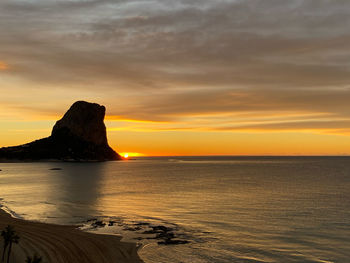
{"x": 229, "y": 209}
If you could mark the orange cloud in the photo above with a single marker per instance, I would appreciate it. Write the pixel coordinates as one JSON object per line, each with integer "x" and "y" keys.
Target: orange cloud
{"x": 122, "y": 119}
{"x": 3, "y": 65}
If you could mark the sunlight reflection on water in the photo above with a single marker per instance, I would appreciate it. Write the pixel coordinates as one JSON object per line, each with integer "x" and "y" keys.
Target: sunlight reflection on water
{"x": 244, "y": 209}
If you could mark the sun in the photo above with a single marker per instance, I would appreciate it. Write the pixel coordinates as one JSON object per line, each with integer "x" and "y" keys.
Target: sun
{"x": 127, "y": 155}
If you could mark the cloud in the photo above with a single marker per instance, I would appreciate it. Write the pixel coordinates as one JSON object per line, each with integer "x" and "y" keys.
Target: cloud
{"x": 175, "y": 60}
{"x": 237, "y": 101}
{"x": 3, "y": 66}
{"x": 145, "y": 44}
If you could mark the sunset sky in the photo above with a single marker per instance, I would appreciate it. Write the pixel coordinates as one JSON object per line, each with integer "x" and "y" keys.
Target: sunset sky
{"x": 182, "y": 77}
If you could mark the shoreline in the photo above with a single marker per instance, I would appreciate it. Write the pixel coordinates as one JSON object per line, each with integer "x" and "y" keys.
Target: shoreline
{"x": 66, "y": 244}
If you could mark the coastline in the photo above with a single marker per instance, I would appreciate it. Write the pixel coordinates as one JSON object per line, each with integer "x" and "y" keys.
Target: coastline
{"x": 65, "y": 244}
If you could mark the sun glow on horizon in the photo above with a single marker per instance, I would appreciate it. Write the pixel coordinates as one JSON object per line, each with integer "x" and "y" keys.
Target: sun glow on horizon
{"x": 127, "y": 155}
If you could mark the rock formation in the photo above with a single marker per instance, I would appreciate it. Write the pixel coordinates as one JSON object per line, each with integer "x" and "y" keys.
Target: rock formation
{"x": 79, "y": 136}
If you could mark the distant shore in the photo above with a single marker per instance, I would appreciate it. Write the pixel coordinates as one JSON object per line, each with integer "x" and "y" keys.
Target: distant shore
{"x": 65, "y": 244}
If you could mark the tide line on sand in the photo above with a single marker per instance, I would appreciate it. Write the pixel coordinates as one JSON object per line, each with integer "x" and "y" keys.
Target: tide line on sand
{"x": 65, "y": 244}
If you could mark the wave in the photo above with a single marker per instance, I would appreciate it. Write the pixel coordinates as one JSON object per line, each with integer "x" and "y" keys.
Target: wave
{"x": 8, "y": 210}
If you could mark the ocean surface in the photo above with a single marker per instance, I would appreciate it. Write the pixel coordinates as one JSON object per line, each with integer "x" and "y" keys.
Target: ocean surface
{"x": 228, "y": 209}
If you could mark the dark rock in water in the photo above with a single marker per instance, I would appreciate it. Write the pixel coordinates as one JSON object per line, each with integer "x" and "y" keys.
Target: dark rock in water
{"x": 173, "y": 242}
{"x": 165, "y": 235}
{"x": 56, "y": 169}
{"x": 142, "y": 224}
{"x": 0, "y": 170}
{"x": 98, "y": 224}
{"x": 79, "y": 136}
{"x": 129, "y": 228}
{"x": 158, "y": 230}
{"x": 161, "y": 228}
{"x": 111, "y": 223}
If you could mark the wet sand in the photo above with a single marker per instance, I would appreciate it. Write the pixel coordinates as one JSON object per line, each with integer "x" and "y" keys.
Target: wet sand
{"x": 65, "y": 244}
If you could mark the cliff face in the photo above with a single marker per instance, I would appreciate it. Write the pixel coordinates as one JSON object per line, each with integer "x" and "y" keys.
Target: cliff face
{"x": 79, "y": 136}
{"x": 84, "y": 120}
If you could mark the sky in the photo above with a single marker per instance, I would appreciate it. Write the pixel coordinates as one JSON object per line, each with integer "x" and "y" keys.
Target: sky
{"x": 182, "y": 77}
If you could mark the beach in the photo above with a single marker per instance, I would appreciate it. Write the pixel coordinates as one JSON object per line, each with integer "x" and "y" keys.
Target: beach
{"x": 58, "y": 243}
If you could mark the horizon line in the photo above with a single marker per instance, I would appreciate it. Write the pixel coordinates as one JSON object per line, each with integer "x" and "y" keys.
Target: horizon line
{"x": 230, "y": 155}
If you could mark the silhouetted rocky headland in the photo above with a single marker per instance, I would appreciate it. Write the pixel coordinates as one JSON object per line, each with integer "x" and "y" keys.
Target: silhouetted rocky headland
{"x": 79, "y": 136}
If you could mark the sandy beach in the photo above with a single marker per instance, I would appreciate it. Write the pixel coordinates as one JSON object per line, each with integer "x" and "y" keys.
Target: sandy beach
{"x": 65, "y": 244}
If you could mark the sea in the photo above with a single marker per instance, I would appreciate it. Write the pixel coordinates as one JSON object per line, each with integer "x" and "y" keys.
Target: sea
{"x": 219, "y": 209}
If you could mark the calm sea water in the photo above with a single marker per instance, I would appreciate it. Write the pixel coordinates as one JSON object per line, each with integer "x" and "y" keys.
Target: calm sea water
{"x": 230, "y": 209}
